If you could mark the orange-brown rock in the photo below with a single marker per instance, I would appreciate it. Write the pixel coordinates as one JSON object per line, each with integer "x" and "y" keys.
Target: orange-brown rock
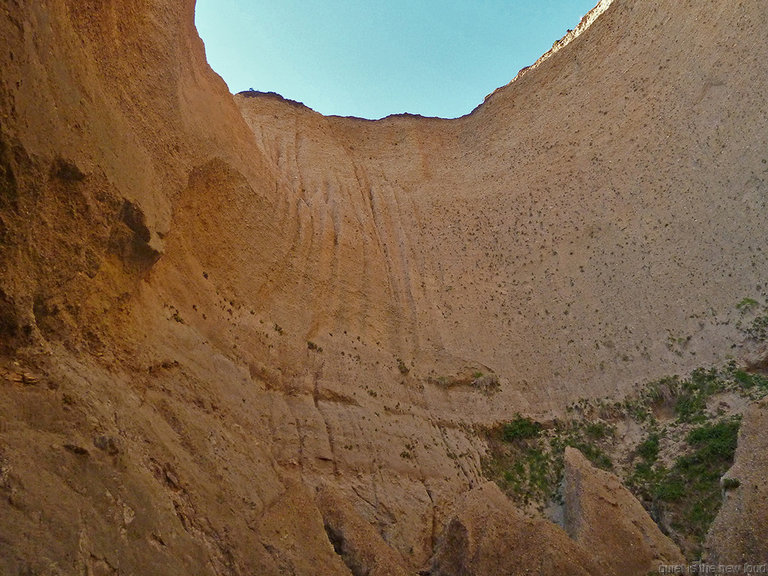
{"x": 488, "y": 536}
{"x": 608, "y": 521}
{"x": 356, "y": 541}
{"x": 227, "y": 302}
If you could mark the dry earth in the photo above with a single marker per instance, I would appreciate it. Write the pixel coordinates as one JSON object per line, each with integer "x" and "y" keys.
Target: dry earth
{"x": 239, "y": 337}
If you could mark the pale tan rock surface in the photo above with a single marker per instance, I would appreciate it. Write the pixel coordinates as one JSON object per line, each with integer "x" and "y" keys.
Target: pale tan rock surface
{"x": 608, "y": 521}
{"x": 357, "y": 542}
{"x": 488, "y": 536}
{"x": 739, "y": 534}
{"x": 168, "y": 252}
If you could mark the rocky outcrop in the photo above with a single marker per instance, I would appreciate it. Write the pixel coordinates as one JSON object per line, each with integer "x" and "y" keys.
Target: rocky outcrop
{"x": 757, "y": 361}
{"x": 294, "y": 533}
{"x": 223, "y": 303}
{"x": 608, "y": 521}
{"x": 739, "y": 534}
{"x": 488, "y": 536}
{"x": 357, "y": 542}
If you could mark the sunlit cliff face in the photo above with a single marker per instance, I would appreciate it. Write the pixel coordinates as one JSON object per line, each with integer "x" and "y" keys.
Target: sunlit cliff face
{"x": 235, "y": 334}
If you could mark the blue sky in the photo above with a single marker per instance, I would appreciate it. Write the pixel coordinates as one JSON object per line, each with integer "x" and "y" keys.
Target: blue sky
{"x": 371, "y": 59}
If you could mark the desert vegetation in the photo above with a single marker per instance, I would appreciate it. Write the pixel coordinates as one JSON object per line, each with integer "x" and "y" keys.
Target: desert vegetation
{"x": 671, "y": 444}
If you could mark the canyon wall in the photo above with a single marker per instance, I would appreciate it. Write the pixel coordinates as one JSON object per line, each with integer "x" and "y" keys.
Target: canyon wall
{"x": 236, "y": 333}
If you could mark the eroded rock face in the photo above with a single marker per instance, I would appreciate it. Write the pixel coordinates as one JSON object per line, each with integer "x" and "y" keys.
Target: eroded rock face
{"x": 739, "y": 534}
{"x": 608, "y": 521}
{"x": 358, "y": 544}
{"x": 251, "y": 300}
{"x": 488, "y": 536}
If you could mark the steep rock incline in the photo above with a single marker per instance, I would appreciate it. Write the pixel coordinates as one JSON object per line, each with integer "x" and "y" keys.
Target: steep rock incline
{"x": 739, "y": 534}
{"x": 488, "y": 536}
{"x": 210, "y": 308}
{"x": 585, "y": 214}
{"x": 606, "y": 519}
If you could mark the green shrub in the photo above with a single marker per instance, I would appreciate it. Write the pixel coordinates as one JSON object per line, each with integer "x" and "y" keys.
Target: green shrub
{"x": 746, "y": 304}
{"x": 743, "y": 378}
{"x": 520, "y": 428}
{"x": 730, "y": 484}
{"x": 670, "y": 489}
{"x": 692, "y": 487}
{"x": 649, "y": 449}
{"x": 693, "y": 393}
{"x": 758, "y": 329}
{"x": 598, "y": 430}
{"x": 689, "y": 407}
{"x": 593, "y": 454}
{"x": 715, "y": 441}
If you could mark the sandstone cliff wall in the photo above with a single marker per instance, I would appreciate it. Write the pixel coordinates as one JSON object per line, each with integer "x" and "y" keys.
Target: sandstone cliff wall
{"x": 220, "y": 305}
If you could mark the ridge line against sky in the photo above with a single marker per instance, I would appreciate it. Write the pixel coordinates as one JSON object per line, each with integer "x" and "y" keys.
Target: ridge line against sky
{"x": 370, "y": 59}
